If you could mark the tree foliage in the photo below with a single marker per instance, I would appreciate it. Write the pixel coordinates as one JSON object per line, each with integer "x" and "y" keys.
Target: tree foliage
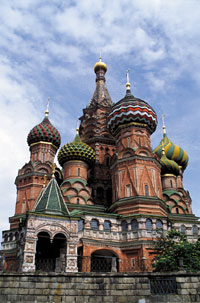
{"x": 174, "y": 249}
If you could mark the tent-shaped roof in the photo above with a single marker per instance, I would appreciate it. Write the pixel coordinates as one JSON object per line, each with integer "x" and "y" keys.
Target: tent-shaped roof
{"x": 51, "y": 200}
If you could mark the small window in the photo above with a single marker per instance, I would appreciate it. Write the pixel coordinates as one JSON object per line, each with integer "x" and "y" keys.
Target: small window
{"x": 146, "y": 190}
{"x": 69, "y": 171}
{"x": 134, "y": 225}
{"x": 171, "y": 183}
{"x": 77, "y": 200}
{"x": 159, "y": 225}
{"x": 132, "y": 263}
{"x": 107, "y": 225}
{"x": 183, "y": 229}
{"x": 100, "y": 193}
{"x": 177, "y": 210}
{"x": 139, "y": 142}
{"x": 124, "y": 226}
{"x": 79, "y": 172}
{"x": 128, "y": 190}
{"x": 81, "y": 225}
{"x": 107, "y": 161}
{"x": 149, "y": 225}
{"x": 195, "y": 230}
{"x": 94, "y": 224}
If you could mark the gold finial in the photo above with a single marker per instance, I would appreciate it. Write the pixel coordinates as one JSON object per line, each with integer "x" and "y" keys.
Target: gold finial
{"x": 45, "y": 180}
{"x": 128, "y": 85}
{"x": 53, "y": 170}
{"x": 47, "y": 109}
{"x": 77, "y": 127}
{"x": 163, "y": 121}
{"x": 163, "y": 150}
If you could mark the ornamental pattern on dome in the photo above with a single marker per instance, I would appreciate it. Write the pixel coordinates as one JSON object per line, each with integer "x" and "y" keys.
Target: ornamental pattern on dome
{"x": 168, "y": 166}
{"x": 131, "y": 109}
{"x": 172, "y": 152}
{"x": 76, "y": 150}
{"x": 45, "y": 132}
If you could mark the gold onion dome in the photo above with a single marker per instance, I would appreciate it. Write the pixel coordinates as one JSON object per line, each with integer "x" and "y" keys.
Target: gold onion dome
{"x": 100, "y": 65}
{"x": 172, "y": 151}
{"x": 76, "y": 150}
{"x": 168, "y": 166}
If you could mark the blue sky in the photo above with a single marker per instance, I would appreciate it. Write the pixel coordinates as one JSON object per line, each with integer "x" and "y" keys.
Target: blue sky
{"x": 49, "y": 48}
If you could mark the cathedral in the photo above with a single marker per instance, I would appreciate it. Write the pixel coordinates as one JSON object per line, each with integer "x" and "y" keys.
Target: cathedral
{"x": 113, "y": 196}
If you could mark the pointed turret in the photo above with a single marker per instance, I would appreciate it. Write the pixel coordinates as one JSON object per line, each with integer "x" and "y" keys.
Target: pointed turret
{"x": 101, "y": 95}
{"x": 50, "y": 200}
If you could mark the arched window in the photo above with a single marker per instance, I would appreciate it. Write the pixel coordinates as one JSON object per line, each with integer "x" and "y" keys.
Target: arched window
{"x": 177, "y": 210}
{"x": 94, "y": 224}
{"x": 124, "y": 226}
{"x": 134, "y": 225}
{"x": 159, "y": 225}
{"x": 5, "y": 238}
{"x": 195, "y": 230}
{"x": 16, "y": 236}
{"x": 77, "y": 200}
{"x": 149, "y": 225}
{"x": 183, "y": 229}
{"x": 81, "y": 225}
{"x": 171, "y": 183}
{"x": 107, "y": 225}
{"x": 146, "y": 190}
{"x": 79, "y": 172}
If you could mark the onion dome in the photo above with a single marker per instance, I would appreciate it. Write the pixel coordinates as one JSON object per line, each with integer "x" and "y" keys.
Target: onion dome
{"x": 44, "y": 132}
{"x": 132, "y": 110}
{"x": 100, "y": 65}
{"x": 168, "y": 166}
{"x": 76, "y": 150}
{"x": 172, "y": 151}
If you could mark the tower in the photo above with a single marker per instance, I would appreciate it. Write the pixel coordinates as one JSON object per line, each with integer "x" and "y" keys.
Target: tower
{"x": 44, "y": 141}
{"x": 135, "y": 169}
{"x": 94, "y": 132}
{"x": 76, "y": 158}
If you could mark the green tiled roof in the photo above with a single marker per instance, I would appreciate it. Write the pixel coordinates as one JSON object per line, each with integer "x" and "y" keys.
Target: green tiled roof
{"x": 51, "y": 200}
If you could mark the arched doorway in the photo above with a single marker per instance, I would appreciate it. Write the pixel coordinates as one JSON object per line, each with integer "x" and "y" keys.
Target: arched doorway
{"x": 104, "y": 260}
{"x": 50, "y": 255}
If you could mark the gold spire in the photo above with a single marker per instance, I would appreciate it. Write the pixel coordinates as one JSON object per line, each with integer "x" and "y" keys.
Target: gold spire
{"x": 53, "y": 170}
{"x": 47, "y": 109}
{"x": 128, "y": 85}
{"x": 164, "y": 127}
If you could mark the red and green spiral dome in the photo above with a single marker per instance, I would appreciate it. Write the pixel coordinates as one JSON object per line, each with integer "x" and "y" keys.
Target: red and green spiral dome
{"x": 44, "y": 132}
